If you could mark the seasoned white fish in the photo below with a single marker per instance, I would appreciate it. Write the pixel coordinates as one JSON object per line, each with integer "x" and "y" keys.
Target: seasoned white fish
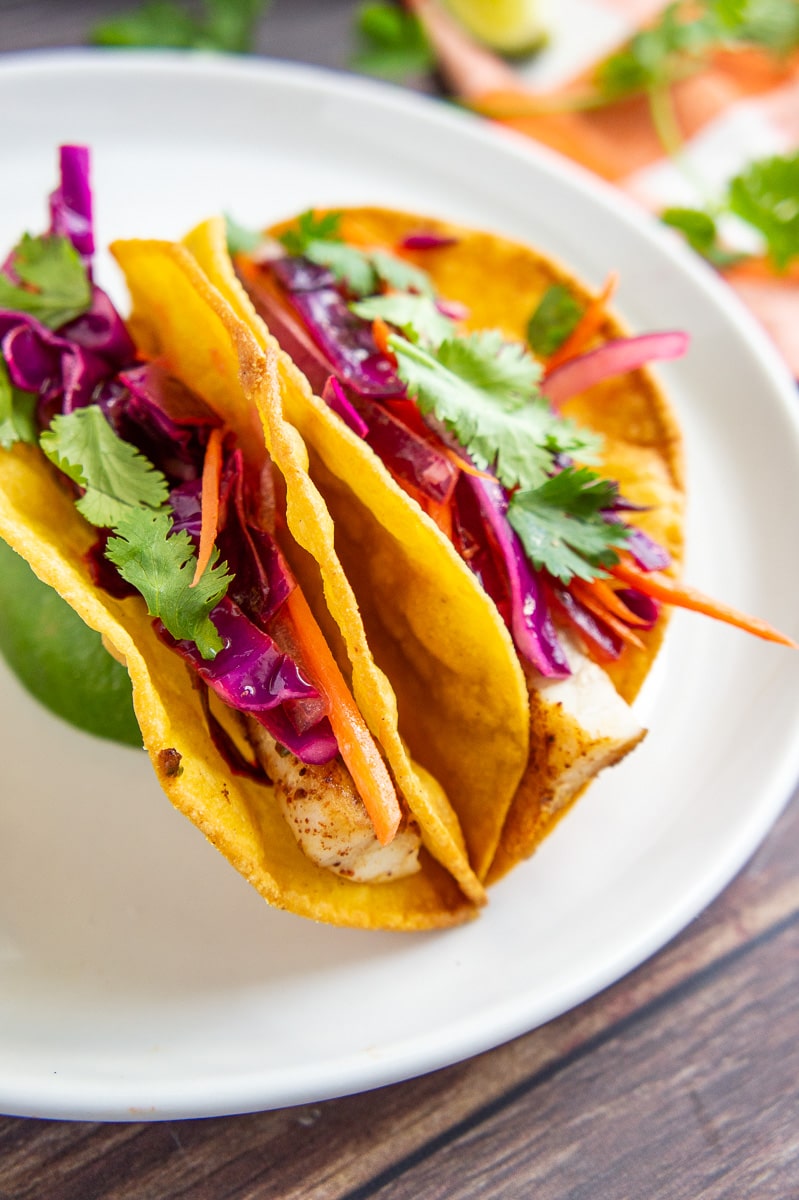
{"x": 328, "y": 817}
{"x": 584, "y": 724}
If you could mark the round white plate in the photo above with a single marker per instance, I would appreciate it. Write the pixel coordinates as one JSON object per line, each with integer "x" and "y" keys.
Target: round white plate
{"x": 139, "y": 976}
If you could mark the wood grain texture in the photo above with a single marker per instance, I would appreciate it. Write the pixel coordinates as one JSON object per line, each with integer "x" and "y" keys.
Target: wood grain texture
{"x": 678, "y": 1083}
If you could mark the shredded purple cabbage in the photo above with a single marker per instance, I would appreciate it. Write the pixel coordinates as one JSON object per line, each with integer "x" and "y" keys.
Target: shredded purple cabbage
{"x": 71, "y": 202}
{"x": 63, "y": 375}
{"x": 649, "y": 554}
{"x": 583, "y": 620}
{"x": 335, "y": 398}
{"x": 427, "y": 241}
{"x": 101, "y": 331}
{"x": 251, "y": 675}
{"x": 641, "y": 605}
{"x": 345, "y": 340}
{"x": 531, "y": 624}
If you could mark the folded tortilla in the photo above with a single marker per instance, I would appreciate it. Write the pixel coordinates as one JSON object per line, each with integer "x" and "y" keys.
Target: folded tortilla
{"x": 531, "y": 746}
{"x": 193, "y": 331}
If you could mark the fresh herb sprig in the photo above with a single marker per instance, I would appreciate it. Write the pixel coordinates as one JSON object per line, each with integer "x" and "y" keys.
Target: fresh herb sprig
{"x": 765, "y": 196}
{"x": 392, "y": 43}
{"x": 124, "y": 492}
{"x": 226, "y": 25}
{"x": 686, "y": 34}
{"x": 555, "y": 317}
{"x": 53, "y": 283}
{"x": 361, "y": 271}
{"x": 17, "y": 412}
{"x": 483, "y": 389}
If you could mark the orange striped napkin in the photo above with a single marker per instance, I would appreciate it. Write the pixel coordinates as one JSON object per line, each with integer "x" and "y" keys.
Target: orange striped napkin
{"x": 743, "y": 106}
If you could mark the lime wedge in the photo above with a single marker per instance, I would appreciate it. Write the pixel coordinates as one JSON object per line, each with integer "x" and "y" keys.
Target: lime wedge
{"x": 59, "y": 659}
{"x": 512, "y": 27}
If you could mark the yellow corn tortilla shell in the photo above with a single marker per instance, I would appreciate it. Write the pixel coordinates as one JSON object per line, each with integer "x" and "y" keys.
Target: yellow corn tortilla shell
{"x": 164, "y": 280}
{"x": 461, "y": 693}
{"x": 500, "y": 282}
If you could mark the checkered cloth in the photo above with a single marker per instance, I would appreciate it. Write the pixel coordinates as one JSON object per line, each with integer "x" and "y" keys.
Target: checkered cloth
{"x": 744, "y": 106}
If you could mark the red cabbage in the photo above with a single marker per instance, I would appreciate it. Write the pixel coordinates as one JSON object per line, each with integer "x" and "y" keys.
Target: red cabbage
{"x": 427, "y": 241}
{"x": 605, "y": 642}
{"x": 610, "y": 359}
{"x": 102, "y": 331}
{"x": 40, "y": 361}
{"x": 71, "y": 202}
{"x": 649, "y": 554}
{"x": 408, "y": 456}
{"x": 345, "y": 340}
{"x": 531, "y": 625}
{"x": 251, "y": 675}
{"x": 641, "y": 605}
{"x": 336, "y": 399}
{"x": 168, "y": 423}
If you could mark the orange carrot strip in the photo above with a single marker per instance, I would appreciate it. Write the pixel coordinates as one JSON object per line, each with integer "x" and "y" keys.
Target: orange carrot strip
{"x": 355, "y": 742}
{"x": 584, "y": 592}
{"x": 613, "y": 603}
{"x": 381, "y": 334}
{"x": 586, "y": 327}
{"x": 463, "y": 465}
{"x": 671, "y": 591}
{"x": 212, "y": 469}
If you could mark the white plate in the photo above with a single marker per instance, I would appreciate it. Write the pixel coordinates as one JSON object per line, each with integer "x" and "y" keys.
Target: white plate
{"x": 139, "y": 976}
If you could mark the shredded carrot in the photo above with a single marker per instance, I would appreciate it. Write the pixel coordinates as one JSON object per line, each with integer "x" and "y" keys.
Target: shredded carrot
{"x": 381, "y": 334}
{"x": 671, "y": 591}
{"x": 614, "y": 603}
{"x": 212, "y": 470}
{"x": 586, "y": 327}
{"x": 588, "y": 595}
{"x": 463, "y": 465}
{"x": 355, "y": 742}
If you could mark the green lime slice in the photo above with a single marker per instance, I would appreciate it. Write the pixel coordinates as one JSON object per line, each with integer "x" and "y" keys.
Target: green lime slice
{"x": 59, "y": 659}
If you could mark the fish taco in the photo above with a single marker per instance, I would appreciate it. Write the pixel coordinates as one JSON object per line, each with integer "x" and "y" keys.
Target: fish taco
{"x": 453, "y": 386}
{"x": 147, "y": 473}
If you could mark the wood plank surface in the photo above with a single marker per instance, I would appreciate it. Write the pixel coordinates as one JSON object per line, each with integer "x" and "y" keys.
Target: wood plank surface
{"x": 678, "y": 1083}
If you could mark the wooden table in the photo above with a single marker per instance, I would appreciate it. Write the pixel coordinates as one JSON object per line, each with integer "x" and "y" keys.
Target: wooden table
{"x": 679, "y": 1082}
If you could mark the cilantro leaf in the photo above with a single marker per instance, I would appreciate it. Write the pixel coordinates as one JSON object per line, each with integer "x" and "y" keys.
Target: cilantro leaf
{"x": 392, "y": 43}
{"x": 562, "y": 525}
{"x": 17, "y": 412}
{"x": 701, "y": 232}
{"x": 351, "y": 267}
{"x": 772, "y": 24}
{"x": 310, "y": 228}
{"x": 318, "y": 239}
{"x": 554, "y": 319}
{"x": 416, "y": 316}
{"x": 400, "y": 275}
{"x": 58, "y": 288}
{"x": 228, "y": 25}
{"x": 483, "y": 389}
{"x": 161, "y": 567}
{"x": 115, "y": 475}
{"x": 766, "y": 195}
{"x": 673, "y": 45}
